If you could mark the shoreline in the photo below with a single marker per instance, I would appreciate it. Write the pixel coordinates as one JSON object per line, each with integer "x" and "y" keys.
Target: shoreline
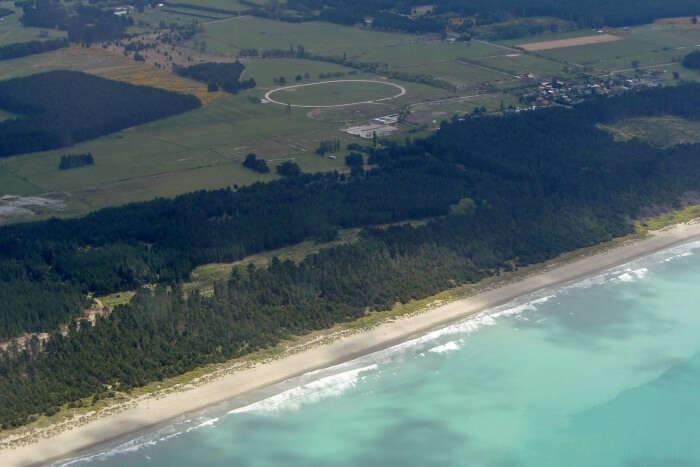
{"x": 149, "y": 412}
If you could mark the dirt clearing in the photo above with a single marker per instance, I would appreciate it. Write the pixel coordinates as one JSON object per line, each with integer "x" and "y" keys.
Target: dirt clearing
{"x": 586, "y": 40}
{"x": 20, "y": 207}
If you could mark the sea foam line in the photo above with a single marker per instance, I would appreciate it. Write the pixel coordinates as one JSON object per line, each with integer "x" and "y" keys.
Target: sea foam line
{"x": 140, "y": 442}
{"x": 309, "y": 393}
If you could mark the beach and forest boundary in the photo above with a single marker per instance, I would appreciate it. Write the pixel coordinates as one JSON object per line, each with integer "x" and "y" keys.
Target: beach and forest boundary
{"x": 331, "y": 348}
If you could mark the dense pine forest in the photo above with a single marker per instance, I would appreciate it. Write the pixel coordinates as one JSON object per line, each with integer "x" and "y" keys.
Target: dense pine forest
{"x": 503, "y": 192}
{"x": 218, "y": 75}
{"x": 585, "y": 13}
{"x": 692, "y": 60}
{"x": 61, "y": 108}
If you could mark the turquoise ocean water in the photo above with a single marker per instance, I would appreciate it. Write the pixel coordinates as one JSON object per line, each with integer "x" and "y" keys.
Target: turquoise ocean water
{"x": 604, "y": 372}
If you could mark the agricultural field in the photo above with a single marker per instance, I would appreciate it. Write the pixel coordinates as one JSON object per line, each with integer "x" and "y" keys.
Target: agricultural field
{"x": 649, "y": 45}
{"x": 466, "y": 65}
{"x": 571, "y": 42}
{"x": 204, "y": 148}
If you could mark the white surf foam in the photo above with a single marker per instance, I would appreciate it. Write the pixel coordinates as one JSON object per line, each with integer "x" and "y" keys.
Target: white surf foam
{"x": 631, "y": 275}
{"x": 638, "y": 269}
{"x": 309, "y": 393}
{"x": 140, "y": 442}
{"x": 209, "y": 422}
{"x": 444, "y": 348}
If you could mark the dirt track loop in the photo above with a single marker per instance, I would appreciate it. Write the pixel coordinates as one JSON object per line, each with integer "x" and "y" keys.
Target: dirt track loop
{"x": 401, "y": 89}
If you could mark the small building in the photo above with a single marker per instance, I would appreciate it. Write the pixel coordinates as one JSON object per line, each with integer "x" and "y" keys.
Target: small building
{"x": 388, "y": 119}
{"x": 123, "y": 10}
{"x": 368, "y": 131}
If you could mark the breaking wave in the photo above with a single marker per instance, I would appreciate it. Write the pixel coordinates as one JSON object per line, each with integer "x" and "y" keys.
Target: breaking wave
{"x": 310, "y": 393}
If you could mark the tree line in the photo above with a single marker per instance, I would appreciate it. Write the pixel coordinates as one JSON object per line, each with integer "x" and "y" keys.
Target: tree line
{"x": 73, "y": 161}
{"x": 218, "y": 75}
{"x": 394, "y": 15}
{"x": 22, "y": 49}
{"x": 503, "y": 192}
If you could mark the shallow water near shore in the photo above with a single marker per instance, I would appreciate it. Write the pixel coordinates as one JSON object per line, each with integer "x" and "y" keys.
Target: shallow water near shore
{"x": 603, "y": 372}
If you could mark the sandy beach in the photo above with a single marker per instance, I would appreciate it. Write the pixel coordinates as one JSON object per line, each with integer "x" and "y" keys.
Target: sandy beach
{"x": 153, "y": 411}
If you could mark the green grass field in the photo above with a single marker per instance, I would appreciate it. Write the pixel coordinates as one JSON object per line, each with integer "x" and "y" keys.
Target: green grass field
{"x": 228, "y": 37}
{"x": 199, "y": 149}
{"x": 520, "y": 64}
{"x": 461, "y": 74}
{"x": 335, "y": 93}
{"x": 684, "y": 73}
{"x": 648, "y": 45}
{"x": 425, "y": 52}
{"x": 265, "y": 71}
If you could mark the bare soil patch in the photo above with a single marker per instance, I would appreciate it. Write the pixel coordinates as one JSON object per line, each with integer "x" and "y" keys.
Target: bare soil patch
{"x": 20, "y": 207}
{"x": 558, "y": 44}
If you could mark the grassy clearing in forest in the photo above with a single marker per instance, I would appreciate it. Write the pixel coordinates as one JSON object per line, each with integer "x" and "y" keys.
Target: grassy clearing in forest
{"x": 658, "y": 131}
{"x": 5, "y": 115}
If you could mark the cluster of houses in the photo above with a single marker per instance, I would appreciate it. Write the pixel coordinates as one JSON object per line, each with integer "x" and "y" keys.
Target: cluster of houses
{"x": 127, "y": 10}
{"x": 559, "y": 92}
